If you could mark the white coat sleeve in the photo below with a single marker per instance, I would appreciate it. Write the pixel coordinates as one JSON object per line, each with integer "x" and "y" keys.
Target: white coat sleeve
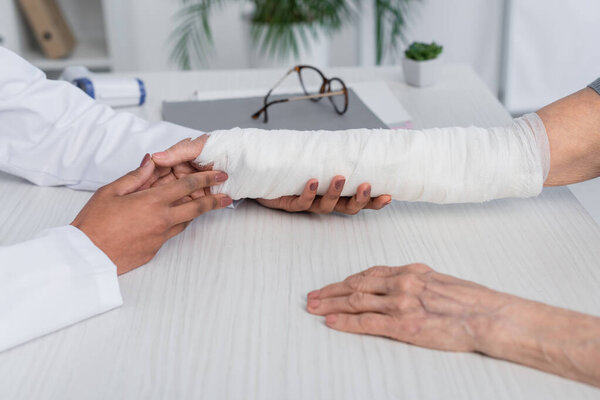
{"x": 55, "y": 280}
{"x": 52, "y": 133}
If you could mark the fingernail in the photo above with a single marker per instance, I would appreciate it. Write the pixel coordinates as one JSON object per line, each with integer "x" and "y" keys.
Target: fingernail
{"x": 388, "y": 202}
{"x": 145, "y": 160}
{"x": 314, "y": 186}
{"x": 160, "y": 154}
{"x": 226, "y": 201}
{"x": 221, "y": 177}
{"x": 340, "y": 184}
{"x": 314, "y": 294}
{"x": 314, "y": 303}
{"x": 330, "y": 319}
{"x": 367, "y": 192}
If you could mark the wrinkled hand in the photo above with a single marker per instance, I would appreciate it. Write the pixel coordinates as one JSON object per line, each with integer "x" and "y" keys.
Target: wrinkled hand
{"x": 412, "y": 304}
{"x": 331, "y": 201}
{"x": 130, "y": 224}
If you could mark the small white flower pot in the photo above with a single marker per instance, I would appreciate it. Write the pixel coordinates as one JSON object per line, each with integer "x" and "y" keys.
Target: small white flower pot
{"x": 421, "y": 73}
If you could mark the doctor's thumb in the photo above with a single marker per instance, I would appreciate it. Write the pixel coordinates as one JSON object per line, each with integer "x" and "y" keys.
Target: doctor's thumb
{"x": 135, "y": 179}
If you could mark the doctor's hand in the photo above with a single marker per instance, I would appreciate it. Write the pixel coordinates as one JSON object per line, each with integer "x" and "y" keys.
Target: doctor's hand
{"x": 331, "y": 201}
{"x": 130, "y": 225}
{"x": 177, "y": 162}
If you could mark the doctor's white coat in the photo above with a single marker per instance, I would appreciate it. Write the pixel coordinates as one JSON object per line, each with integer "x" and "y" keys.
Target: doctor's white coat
{"x": 51, "y": 133}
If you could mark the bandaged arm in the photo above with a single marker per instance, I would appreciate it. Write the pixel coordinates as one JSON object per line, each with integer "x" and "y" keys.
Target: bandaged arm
{"x": 440, "y": 165}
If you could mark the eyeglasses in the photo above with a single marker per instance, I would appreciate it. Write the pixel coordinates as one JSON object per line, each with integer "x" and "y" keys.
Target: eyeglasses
{"x": 334, "y": 89}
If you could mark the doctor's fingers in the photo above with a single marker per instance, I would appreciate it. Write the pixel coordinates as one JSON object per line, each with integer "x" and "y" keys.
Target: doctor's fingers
{"x": 185, "y": 151}
{"x": 133, "y": 180}
{"x": 158, "y": 177}
{"x": 187, "y": 185}
{"x": 168, "y": 174}
{"x": 171, "y": 176}
{"x": 192, "y": 209}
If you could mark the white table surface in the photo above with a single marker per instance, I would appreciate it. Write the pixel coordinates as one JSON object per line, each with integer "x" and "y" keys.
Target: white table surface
{"x": 219, "y": 313}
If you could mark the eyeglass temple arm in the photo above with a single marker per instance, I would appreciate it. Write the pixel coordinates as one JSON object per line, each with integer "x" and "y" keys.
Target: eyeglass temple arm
{"x": 262, "y": 110}
{"x": 328, "y": 94}
{"x": 278, "y": 83}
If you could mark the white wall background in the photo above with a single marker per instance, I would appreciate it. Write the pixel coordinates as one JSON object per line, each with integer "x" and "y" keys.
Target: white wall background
{"x": 470, "y": 31}
{"x": 554, "y": 50}
{"x": 552, "y": 44}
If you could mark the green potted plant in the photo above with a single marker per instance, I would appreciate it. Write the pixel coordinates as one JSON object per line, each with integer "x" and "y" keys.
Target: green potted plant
{"x": 280, "y": 28}
{"x": 421, "y": 63}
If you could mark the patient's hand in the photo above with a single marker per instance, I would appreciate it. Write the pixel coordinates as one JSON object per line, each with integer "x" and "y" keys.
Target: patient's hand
{"x": 417, "y": 305}
{"x": 412, "y": 304}
{"x": 331, "y": 201}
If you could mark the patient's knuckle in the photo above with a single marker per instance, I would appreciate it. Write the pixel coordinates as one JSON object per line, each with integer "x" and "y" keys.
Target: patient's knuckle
{"x": 420, "y": 267}
{"x": 354, "y": 283}
{"x": 377, "y": 270}
{"x": 401, "y": 302}
{"x": 409, "y": 282}
{"x": 356, "y": 300}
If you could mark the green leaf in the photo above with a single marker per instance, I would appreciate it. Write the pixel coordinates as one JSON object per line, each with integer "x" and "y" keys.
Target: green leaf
{"x": 283, "y": 27}
{"x": 423, "y": 51}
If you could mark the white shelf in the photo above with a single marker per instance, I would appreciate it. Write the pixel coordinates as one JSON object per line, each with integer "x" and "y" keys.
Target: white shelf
{"x": 91, "y": 54}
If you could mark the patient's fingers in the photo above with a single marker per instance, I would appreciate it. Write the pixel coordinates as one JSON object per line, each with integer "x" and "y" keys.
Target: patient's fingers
{"x": 305, "y": 200}
{"x": 368, "y": 323}
{"x": 331, "y": 201}
{"x": 357, "y": 202}
{"x": 327, "y": 202}
{"x": 354, "y": 283}
{"x": 184, "y": 151}
{"x": 357, "y": 302}
{"x": 379, "y": 202}
{"x": 294, "y": 203}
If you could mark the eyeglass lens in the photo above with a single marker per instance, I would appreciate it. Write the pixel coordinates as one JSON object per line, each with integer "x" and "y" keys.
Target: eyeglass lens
{"x": 339, "y": 102}
{"x": 311, "y": 81}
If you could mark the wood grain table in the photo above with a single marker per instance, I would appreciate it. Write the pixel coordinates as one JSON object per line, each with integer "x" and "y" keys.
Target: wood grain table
{"x": 220, "y": 312}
